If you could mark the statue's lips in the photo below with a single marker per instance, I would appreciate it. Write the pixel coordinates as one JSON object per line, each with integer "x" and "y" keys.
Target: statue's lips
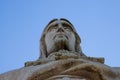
{"x": 60, "y": 35}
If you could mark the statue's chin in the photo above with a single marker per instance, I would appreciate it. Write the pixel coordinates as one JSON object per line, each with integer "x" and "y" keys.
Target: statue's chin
{"x": 61, "y": 43}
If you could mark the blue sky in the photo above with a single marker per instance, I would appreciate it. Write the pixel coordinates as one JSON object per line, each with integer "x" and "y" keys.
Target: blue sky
{"x": 22, "y": 21}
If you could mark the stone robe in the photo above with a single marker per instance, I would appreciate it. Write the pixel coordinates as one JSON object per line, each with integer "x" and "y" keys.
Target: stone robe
{"x": 63, "y": 67}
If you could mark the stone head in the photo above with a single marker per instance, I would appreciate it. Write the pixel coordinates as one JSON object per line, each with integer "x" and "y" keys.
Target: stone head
{"x": 59, "y": 34}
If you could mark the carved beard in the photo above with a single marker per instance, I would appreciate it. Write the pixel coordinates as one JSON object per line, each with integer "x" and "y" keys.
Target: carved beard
{"x": 61, "y": 42}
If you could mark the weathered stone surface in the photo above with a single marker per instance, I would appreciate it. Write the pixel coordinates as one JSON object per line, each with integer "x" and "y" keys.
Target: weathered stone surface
{"x": 64, "y": 66}
{"x": 64, "y": 69}
{"x": 62, "y": 54}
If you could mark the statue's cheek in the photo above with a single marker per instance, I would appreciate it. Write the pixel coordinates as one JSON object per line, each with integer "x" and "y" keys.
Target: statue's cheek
{"x": 70, "y": 35}
{"x": 50, "y": 35}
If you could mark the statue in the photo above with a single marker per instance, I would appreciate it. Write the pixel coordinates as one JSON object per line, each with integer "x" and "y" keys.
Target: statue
{"x": 62, "y": 58}
{"x": 59, "y": 34}
{"x": 60, "y": 40}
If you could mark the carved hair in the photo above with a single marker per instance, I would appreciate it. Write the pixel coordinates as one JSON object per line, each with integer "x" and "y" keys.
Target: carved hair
{"x": 43, "y": 48}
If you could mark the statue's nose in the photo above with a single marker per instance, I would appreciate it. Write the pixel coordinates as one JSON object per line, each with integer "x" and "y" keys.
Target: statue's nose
{"x": 60, "y": 30}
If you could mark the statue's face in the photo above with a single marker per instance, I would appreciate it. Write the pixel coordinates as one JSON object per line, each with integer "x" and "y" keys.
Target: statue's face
{"x": 59, "y": 35}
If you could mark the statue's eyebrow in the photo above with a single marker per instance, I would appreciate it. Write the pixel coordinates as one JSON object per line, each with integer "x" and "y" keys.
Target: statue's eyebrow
{"x": 67, "y": 25}
{"x": 66, "y": 21}
{"x": 52, "y": 25}
{"x": 48, "y": 25}
{"x": 52, "y": 21}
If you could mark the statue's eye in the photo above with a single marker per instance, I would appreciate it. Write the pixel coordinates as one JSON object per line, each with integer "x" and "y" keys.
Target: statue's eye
{"x": 67, "y": 27}
{"x": 52, "y": 28}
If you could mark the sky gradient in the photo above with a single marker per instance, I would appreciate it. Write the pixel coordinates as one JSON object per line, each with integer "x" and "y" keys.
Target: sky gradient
{"x": 22, "y": 22}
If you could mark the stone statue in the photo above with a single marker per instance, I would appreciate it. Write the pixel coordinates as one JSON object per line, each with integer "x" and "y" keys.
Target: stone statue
{"x": 59, "y": 34}
{"x": 60, "y": 40}
{"x": 62, "y": 58}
